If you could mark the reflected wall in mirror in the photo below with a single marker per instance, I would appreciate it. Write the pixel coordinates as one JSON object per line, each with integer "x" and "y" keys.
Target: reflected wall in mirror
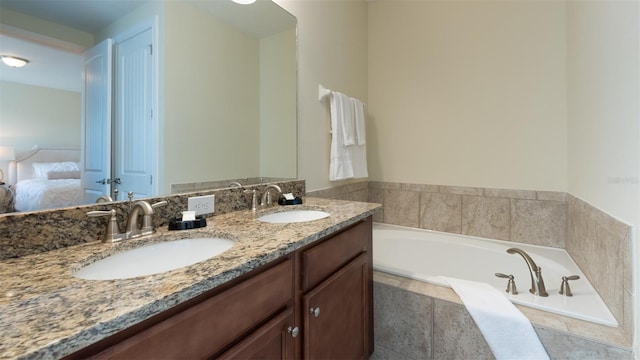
{"x": 226, "y": 82}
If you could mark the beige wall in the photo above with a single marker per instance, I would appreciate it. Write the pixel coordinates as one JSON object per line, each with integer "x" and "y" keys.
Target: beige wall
{"x": 468, "y": 93}
{"x": 603, "y": 113}
{"x": 332, "y": 51}
{"x": 211, "y": 116}
{"x": 603, "y": 83}
{"x": 34, "y": 115}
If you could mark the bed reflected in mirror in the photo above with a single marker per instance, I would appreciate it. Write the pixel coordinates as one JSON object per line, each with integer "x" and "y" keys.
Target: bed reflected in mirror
{"x": 45, "y": 179}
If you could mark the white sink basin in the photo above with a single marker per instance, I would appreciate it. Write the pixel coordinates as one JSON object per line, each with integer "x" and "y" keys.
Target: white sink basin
{"x": 154, "y": 259}
{"x": 293, "y": 216}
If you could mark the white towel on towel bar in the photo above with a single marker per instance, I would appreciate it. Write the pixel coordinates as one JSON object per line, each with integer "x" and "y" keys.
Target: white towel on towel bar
{"x": 346, "y": 117}
{"x": 348, "y": 158}
{"x": 341, "y": 166}
{"x": 358, "y": 115}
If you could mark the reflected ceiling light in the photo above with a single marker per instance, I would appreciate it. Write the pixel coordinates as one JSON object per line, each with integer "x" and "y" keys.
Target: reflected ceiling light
{"x": 14, "y": 61}
{"x": 244, "y": 2}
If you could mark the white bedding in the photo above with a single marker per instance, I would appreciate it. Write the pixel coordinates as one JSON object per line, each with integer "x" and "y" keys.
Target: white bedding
{"x": 38, "y": 194}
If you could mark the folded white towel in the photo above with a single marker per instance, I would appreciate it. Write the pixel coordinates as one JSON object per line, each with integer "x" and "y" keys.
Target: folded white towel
{"x": 341, "y": 166}
{"x": 358, "y": 111}
{"x": 348, "y": 150}
{"x": 507, "y": 331}
{"x": 345, "y": 117}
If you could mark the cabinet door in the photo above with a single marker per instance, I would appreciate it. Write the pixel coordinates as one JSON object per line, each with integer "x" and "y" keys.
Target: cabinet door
{"x": 336, "y": 319}
{"x": 274, "y": 340}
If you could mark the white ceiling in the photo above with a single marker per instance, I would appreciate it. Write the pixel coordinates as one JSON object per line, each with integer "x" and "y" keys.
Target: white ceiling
{"x": 263, "y": 18}
{"x": 52, "y": 67}
{"x": 86, "y": 15}
{"x": 47, "y": 67}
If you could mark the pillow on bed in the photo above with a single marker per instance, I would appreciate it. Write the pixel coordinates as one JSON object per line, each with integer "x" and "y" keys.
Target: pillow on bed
{"x": 40, "y": 170}
{"x": 54, "y": 175}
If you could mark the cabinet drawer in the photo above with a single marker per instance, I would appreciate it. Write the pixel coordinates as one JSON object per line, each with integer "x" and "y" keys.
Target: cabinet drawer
{"x": 322, "y": 260}
{"x": 212, "y": 325}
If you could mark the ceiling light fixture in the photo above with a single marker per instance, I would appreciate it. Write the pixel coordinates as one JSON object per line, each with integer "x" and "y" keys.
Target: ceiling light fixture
{"x": 244, "y": 2}
{"x": 14, "y": 61}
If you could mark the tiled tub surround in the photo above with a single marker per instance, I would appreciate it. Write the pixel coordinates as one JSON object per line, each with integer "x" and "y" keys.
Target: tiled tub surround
{"x": 39, "y": 231}
{"x": 415, "y": 320}
{"x": 45, "y": 312}
{"x": 536, "y": 217}
{"x": 527, "y": 216}
{"x": 601, "y": 246}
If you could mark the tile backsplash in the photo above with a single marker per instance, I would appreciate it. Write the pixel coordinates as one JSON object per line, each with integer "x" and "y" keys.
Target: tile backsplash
{"x": 527, "y": 216}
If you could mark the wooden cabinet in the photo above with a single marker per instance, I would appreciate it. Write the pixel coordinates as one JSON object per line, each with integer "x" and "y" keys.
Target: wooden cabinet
{"x": 337, "y": 301}
{"x": 315, "y": 303}
{"x": 212, "y": 326}
{"x": 275, "y": 340}
{"x": 336, "y": 320}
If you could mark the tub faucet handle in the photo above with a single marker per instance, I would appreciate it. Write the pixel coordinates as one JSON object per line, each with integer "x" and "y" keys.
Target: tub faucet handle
{"x": 564, "y": 287}
{"x": 511, "y": 284}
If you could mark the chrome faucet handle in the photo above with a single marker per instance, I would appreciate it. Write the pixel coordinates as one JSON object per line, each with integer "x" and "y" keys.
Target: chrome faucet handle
{"x": 113, "y": 233}
{"x": 511, "y": 284}
{"x": 159, "y": 204}
{"x": 254, "y": 198}
{"x": 564, "y": 287}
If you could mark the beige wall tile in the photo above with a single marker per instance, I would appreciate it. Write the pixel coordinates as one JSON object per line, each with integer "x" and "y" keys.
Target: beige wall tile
{"x": 441, "y": 212}
{"x": 403, "y": 321}
{"x": 377, "y": 196}
{"x": 538, "y": 222}
{"x": 401, "y": 207}
{"x": 382, "y": 353}
{"x": 627, "y": 265}
{"x": 551, "y": 196}
{"x": 598, "y": 244}
{"x": 461, "y": 190}
{"x": 563, "y": 346}
{"x": 420, "y": 187}
{"x": 455, "y": 334}
{"x": 486, "y": 217}
{"x": 511, "y": 194}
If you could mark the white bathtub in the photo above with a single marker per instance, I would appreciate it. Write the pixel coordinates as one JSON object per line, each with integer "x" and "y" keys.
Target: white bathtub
{"x": 426, "y": 255}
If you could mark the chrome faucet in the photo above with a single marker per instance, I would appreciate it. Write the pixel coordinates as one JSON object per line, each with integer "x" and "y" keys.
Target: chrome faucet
{"x": 266, "y": 195}
{"x": 112, "y": 233}
{"x": 254, "y": 196}
{"x": 235, "y": 184}
{"x": 537, "y": 282}
{"x": 133, "y": 230}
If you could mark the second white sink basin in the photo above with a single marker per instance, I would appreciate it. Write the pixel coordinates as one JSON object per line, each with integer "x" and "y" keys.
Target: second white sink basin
{"x": 154, "y": 258}
{"x": 293, "y": 216}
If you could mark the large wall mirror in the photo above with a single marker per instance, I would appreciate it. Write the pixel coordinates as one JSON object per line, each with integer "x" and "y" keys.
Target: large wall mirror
{"x": 226, "y": 80}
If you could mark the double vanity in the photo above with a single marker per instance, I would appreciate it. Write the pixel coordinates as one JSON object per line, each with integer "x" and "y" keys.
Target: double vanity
{"x": 293, "y": 283}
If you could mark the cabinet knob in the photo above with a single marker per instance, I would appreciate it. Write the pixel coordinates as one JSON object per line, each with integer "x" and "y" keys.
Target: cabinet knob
{"x": 315, "y": 311}
{"x": 294, "y": 331}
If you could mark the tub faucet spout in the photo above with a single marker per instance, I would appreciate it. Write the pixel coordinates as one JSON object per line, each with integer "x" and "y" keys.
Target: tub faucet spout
{"x": 537, "y": 282}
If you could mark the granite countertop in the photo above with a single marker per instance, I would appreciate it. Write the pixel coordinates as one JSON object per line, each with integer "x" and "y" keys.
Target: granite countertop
{"x": 45, "y": 312}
